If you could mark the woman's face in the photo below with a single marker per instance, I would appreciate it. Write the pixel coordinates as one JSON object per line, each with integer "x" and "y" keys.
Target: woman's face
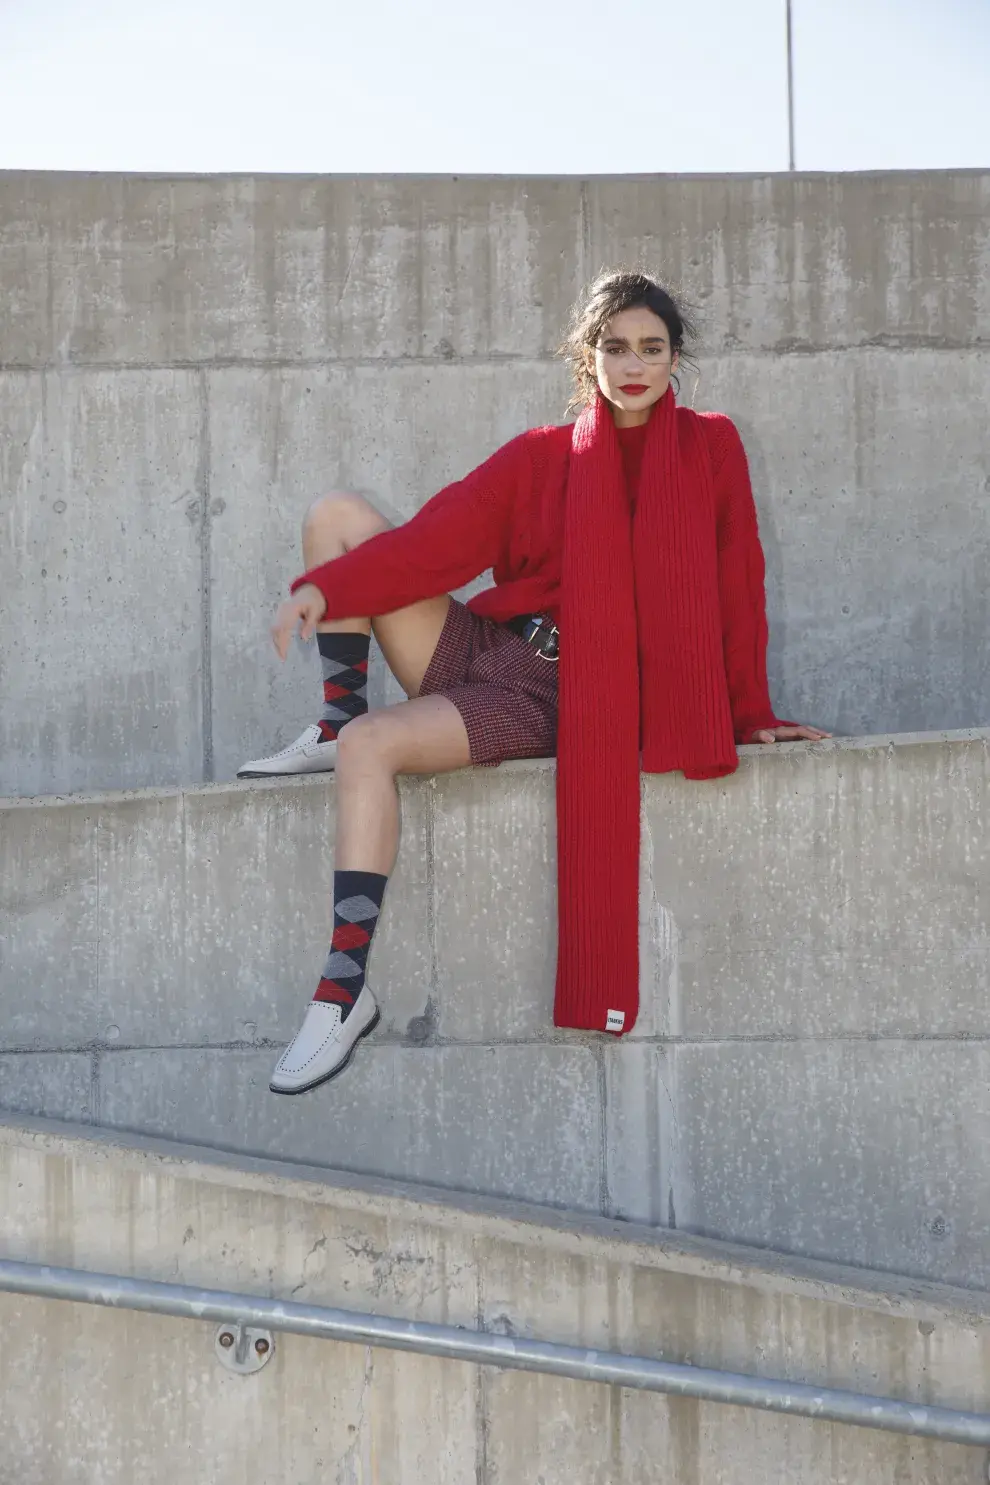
{"x": 633, "y": 364}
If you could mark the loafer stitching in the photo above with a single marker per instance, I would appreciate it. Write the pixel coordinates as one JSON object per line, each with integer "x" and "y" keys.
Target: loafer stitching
{"x": 311, "y": 750}
{"x": 328, "y": 1038}
{"x": 288, "y": 752}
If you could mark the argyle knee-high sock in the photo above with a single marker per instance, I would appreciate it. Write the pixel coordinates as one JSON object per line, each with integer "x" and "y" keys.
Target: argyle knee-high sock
{"x": 357, "y": 901}
{"x": 344, "y": 658}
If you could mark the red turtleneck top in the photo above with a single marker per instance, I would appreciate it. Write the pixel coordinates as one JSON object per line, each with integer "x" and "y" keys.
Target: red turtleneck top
{"x": 632, "y": 445}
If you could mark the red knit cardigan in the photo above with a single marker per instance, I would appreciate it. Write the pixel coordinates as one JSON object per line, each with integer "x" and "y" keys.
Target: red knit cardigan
{"x": 508, "y": 515}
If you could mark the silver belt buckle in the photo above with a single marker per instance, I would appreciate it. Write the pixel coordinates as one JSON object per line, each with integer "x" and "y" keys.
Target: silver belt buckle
{"x": 553, "y": 633}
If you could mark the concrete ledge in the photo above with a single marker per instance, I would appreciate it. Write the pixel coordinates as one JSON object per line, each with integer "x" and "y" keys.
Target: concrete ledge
{"x": 809, "y": 1072}
{"x": 151, "y": 1208}
{"x": 869, "y": 742}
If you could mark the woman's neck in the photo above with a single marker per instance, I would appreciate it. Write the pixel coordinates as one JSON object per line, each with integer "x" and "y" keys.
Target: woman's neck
{"x": 630, "y": 419}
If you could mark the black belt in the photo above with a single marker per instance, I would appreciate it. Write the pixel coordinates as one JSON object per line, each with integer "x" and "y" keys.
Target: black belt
{"x": 540, "y": 632}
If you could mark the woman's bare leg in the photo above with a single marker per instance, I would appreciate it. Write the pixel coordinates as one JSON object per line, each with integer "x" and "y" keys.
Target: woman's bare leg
{"x": 333, "y": 525}
{"x": 425, "y": 735}
{"x": 337, "y": 523}
{"x": 422, "y": 735}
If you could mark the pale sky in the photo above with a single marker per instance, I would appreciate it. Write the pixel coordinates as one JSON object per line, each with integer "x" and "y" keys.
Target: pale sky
{"x": 512, "y": 87}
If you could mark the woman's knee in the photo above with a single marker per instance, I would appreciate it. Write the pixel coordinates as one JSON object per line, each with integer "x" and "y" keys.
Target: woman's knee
{"x": 347, "y": 517}
{"x": 364, "y": 744}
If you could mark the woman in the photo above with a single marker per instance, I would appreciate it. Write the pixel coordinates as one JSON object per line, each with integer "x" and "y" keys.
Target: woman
{"x": 634, "y": 531}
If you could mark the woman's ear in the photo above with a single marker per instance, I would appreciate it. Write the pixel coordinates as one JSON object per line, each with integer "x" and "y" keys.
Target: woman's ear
{"x": 675, "y": 361}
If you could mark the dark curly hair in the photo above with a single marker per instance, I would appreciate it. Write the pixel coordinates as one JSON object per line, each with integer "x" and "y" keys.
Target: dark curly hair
{"x": 609, "y": 295}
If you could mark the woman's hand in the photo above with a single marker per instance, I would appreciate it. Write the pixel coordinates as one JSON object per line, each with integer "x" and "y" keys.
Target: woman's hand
{"x": 788, "y": 734}
{"x": 307, "y": 605}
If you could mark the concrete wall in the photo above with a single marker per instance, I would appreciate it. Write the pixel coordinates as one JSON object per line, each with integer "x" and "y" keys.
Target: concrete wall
{"x": 810, "y": 1070}
{"x": 100, "y": 1397}
{"x": 185, "y": 363}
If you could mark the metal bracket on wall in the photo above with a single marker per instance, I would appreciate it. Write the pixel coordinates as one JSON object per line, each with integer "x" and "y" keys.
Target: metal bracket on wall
{"x": 243, "y": 1349}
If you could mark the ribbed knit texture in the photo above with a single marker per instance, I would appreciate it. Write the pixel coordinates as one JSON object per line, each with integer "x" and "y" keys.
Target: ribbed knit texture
{"x": 667, "y": 603}
{"x": 655, "y": 575}
{"x": 632, "y": 447}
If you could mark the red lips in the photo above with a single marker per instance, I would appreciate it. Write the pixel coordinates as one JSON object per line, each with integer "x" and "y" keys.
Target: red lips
{"x": 633, "y": 390}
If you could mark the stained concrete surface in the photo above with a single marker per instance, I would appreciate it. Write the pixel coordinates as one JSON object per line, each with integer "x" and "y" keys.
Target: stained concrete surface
{"x": 185, "y": 364}
{"x": 129, "y": 1395}
{"x": 809, "y": 1070}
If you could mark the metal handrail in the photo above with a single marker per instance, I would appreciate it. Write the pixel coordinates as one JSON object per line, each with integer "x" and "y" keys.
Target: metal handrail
{"x": 456, "y": 1344}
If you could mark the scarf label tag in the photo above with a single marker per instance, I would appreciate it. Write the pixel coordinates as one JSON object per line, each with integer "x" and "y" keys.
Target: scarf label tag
{"x": 615, "y": 1020}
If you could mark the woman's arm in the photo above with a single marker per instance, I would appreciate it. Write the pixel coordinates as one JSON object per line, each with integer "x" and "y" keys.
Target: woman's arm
{"x": 457, "y": 535}
{"x": 742, "y": 595}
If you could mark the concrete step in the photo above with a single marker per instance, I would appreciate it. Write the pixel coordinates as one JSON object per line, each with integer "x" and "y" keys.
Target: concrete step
{"x": 185, "y": 363}
{"x": 112, "y": 1396}
{"x": 811, "y": 1067}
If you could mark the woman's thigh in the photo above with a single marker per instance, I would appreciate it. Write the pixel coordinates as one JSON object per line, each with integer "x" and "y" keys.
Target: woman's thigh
{"x": 408, "y": 638}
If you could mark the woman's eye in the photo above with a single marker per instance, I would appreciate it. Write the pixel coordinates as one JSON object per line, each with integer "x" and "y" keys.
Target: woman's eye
{"x": 650, "y": 350}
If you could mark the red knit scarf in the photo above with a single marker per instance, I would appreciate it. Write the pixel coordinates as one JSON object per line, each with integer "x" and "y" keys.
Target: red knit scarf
{"x": 641, "y": 668}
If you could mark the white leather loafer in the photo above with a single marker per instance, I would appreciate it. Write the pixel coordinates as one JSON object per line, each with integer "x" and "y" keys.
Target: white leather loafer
{"x": 324, "y": 1044}
{"x": 306, "y": 755}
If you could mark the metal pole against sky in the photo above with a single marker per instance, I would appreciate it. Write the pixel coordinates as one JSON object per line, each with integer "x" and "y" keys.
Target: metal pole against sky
{"x": 790, "y": 89}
